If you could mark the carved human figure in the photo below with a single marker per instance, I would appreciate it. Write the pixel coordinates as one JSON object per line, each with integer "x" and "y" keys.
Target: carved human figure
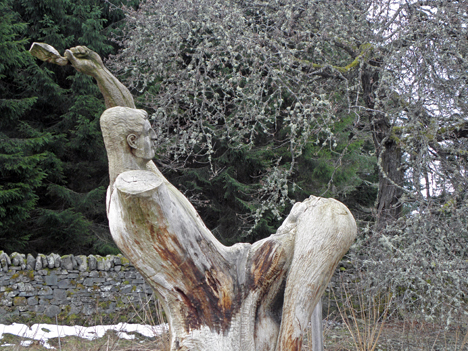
{"x": 252, "y": 297}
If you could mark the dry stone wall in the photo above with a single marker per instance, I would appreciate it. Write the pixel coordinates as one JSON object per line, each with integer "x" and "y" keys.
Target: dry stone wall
{"x": 70, "y": 288}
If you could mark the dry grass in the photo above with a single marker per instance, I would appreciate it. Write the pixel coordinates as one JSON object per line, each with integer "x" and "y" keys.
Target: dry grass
{"x": 403, "y": 336}
{"x": 147, "y": 311}
{"x": 364, "y": 316}
{"x": 109, "y": 342}
{"x": 362, "y": 324}
{"x": 359, "y": 322}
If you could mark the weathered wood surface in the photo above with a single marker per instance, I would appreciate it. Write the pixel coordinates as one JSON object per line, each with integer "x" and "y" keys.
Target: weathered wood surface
{"x": 243, "y": 297}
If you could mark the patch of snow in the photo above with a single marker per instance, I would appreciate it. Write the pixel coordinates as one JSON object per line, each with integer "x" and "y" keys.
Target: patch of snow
{"x": 44, "y": 332}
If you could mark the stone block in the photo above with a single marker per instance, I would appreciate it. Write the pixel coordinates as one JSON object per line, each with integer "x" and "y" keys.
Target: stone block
{"x": 88, "y": 282}
{"x": 67, "y": 262}
{"x": 117, "y": 261}
{"x": 75, "y": 309}
{"x": 108, "y": 262}
{"x": 106, "y": 288}
{"x": 17, "y": 259}
{"x": 25, "y": 287}
{"x": 51, "y": 279}
{"x": 126, "y": 289}
{"x": 39, "y": 308}
{"x": 6, "y": 302}
{"x": 125, "y": 261}
{"x": 3, "y": 317}
{"x": 57, "y": 261}
{"x": 46, "y": 290}
{"x": 38, "y": 266}
{"x": 43, "y": 301}
{"x": 75, "y": 262}
{"x": 65, "y": 284}
{"x": 60, "y": 294}
{"x": 20, "y": 301}
{"x": 106, "y": 295}
{"x": 52, "y": 311}
{"x": 50, "y": 261}
{"x": 44, "y": 261}
{"x": 4, "y": 259}
{"x": 100, "y": 263}
{"x": 24, "y": 278}
{"x": 82, "y": 261}
{"x": 111, "y": 275}
{"x": 32, "y": 301}
{"x": 30, "y": 262}
{"x": 92, "y": 263}
{"x": 58, "y": 302}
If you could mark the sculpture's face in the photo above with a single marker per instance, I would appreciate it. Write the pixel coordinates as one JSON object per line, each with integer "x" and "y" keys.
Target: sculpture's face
{"x": 143, "y": 146}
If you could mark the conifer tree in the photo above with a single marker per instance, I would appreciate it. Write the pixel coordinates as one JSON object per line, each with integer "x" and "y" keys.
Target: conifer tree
{"x": 54, "y": 174}
{"x": 20, "y": 145}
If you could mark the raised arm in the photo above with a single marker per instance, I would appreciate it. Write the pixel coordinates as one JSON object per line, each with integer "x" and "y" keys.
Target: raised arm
{"x": 88, "y": 62}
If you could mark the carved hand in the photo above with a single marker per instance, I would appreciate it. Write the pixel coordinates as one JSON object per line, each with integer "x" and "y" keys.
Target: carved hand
{"x": 88, "y": 62}
{"x": 85, "y": 60}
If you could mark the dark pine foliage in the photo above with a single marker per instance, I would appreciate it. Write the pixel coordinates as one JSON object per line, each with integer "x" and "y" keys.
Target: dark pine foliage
{"x": 53, "y": 167}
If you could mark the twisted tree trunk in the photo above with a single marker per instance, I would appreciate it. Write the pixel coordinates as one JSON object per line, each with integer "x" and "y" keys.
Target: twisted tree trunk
{"x": 244, "y": 297}
{"x": 249, "y": 297}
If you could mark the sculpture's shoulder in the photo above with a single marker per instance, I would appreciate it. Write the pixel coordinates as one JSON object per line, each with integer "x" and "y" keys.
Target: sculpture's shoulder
{"x": 137, "y": 182}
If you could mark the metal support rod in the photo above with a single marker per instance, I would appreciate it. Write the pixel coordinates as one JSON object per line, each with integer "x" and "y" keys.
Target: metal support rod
{"x": 317, "y": 328}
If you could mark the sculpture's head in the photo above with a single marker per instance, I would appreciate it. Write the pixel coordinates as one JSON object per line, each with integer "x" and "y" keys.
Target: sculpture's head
{"x": 128, "y": 131}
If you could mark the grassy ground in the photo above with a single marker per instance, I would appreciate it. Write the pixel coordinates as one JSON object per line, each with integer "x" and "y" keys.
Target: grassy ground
{"x": 354, "y": 323}
{"x": 395, "y": 335}
{"x": 109, "y": 342}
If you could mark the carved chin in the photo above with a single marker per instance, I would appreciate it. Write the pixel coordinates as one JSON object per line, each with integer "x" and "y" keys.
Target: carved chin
{"x": 144, "y": 155}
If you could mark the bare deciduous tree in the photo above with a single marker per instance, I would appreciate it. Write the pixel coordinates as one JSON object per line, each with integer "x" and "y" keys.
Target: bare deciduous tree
{"x": 232, "y": 70}
{"x": 228, "y": 69}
